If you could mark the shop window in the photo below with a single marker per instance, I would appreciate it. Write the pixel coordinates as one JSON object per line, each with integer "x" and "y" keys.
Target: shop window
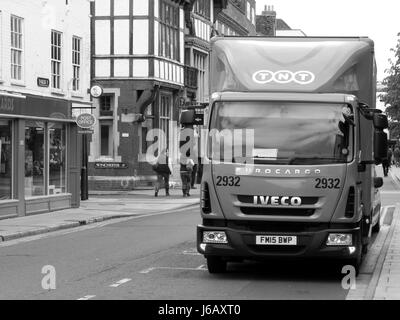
{"x": 5, "y": 160}
{"x": 34, "y": 159}
{"x": 57, "y": 158}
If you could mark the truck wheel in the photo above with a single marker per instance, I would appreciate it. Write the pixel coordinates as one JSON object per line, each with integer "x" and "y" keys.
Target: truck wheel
{"x": 376, "y": 228}
{"x": 216, "y": 265}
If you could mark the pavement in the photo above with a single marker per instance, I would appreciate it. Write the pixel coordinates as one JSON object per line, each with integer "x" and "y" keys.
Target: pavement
{"x": 98, "y": 209}
{"x": 388, "y": 275}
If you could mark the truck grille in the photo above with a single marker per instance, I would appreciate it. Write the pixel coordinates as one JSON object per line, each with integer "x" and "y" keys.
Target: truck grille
{"x": 293, "y": 212}
{"x": 304, "y": 200}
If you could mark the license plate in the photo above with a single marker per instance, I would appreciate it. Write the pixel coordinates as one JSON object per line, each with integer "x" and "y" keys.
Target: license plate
{"x": 276, "y": 240}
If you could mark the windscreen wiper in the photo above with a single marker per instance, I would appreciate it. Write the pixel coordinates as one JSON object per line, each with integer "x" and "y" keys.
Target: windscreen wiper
{"x": 295, "y": 159}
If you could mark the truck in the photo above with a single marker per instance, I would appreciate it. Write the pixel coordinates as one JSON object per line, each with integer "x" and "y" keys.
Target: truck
{"x": 293, "y": 138}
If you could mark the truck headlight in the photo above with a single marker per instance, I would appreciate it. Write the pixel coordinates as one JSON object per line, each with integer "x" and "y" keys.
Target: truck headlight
{"x": 214, "y": 237}
{"x": 340, "y": 239}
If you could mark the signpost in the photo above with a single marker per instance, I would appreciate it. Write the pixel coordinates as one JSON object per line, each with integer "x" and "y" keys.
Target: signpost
{"x": 85, "y": 121}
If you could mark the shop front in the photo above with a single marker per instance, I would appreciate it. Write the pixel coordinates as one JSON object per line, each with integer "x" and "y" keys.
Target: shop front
{"x": 40, "y": 155}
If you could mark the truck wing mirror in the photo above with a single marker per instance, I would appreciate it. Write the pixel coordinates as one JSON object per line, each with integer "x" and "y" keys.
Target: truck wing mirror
{"x": 378, "y": 182}
{"x": 380, "y": 121}
{"x": 187, "y": 117}
{"x": 380, "y": 146}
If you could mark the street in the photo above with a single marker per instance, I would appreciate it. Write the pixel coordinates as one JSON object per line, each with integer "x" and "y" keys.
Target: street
{"x": 154, "y": 257}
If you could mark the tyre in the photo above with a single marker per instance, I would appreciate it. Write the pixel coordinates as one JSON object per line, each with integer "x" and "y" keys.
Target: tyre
{"x": 216, "y": 265}
{"x": 377, "y": 227}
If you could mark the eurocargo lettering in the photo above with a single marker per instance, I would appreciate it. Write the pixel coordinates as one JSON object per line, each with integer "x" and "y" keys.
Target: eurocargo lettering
{"x": 306, "y": 187}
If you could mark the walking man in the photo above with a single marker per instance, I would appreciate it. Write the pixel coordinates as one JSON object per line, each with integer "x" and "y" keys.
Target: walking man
{"x": 163, "y": 171}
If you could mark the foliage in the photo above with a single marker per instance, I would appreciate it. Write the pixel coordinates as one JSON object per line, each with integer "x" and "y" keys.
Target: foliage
{"x": 391, "y": 84}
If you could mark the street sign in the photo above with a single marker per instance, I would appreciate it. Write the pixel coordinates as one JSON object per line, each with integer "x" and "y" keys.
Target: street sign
{"x": 199, "y": 119}
{"x": 96, "y": 91}
{"x": 86, "y": 132}
{"x": 110, "y": 165}
{"x": 43, "y": 82}
{"x": 86, "y": 120}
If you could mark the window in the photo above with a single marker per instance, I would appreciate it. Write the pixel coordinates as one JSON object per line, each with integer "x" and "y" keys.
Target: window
{"x": 16, "y": 47}
{"x": 248, "y": 11}
{"x": 165, "y": 117}
{"x": 5, "y": 160}
{"x": 34, "y": 159}
{"x": 200, "y": 62}
{"x": 76, "y": 63}
{"x": 202, "y": 7}
{"x": 57, "y": 158}
{"x": 56, "y": 49}
{"x": 147, "y": 126}
{"x": 169, "y": 31}
{"x": 106, "y": 139}
{"x": 106, "y": 106}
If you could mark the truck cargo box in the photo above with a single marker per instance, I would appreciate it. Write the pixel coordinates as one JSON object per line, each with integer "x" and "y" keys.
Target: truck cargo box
{"x": 304, "y": 64}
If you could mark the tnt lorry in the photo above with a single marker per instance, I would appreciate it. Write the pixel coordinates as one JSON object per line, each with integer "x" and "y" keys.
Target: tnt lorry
{"x": 294, "y": 137}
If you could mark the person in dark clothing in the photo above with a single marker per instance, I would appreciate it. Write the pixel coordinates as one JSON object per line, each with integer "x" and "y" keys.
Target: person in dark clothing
{"x": 193, "y": 177}
{"x": 187, "y": 165}
{"x": 387, "y": 162}
{"x": 163, "y": 172}
{"x": 396, "y": 154}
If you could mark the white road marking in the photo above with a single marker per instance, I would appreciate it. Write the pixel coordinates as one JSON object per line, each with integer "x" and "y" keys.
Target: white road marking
{"x": 191, "y": 252}
{"x": 87, "y": 298}
{"x": 148, "y": 270}
{"x": 120, "y": 282}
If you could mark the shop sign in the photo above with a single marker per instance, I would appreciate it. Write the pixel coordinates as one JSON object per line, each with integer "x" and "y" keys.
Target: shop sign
{"x": 110, "y": 165}
{"x": 96, "y": 91}
{"x": 6, "y": 104}
{"x": 86, "y": 120}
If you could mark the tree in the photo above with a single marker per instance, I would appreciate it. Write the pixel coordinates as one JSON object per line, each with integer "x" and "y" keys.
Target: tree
{"x": 391, "y": 84}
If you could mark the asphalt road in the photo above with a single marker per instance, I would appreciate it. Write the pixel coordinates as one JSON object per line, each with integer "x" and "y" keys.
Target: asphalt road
{"x": 154, "y": 258}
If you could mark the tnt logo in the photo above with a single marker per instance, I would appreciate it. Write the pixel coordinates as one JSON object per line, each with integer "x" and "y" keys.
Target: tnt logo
{"x": 283, "y": 77}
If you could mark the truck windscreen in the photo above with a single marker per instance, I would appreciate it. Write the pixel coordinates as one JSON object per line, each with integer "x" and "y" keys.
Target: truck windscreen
{"x": 276, "y": 132}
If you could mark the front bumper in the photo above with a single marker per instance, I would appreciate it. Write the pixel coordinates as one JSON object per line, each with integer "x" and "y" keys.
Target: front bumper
{"x": 311, "y": 241}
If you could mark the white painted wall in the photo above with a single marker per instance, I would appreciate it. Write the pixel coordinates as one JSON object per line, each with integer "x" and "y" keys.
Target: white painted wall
{"x": 121, "y": 68}
{"x": 102, "y": 29}
{"x": 141, "y": 36}
{"x": 121, "y": 36}
{"x": 40, "y": 17}
{"x": 140, "y": 7}
{"x": 121, "y": 7}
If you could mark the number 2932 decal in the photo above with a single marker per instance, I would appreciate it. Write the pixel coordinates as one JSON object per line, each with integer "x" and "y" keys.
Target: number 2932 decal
{"x": 327, "y": 183}
{"x": 228, "y": 181}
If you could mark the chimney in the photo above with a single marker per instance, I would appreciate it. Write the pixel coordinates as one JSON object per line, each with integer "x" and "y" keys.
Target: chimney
{"x": 266, "y": 22}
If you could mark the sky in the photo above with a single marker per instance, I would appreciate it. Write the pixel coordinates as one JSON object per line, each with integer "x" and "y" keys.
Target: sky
{"x": 379, "y": 20}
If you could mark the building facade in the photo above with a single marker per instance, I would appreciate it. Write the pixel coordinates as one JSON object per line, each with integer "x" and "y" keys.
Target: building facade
{"x": 44, "y": 76}
{"x": 151, "y": 58}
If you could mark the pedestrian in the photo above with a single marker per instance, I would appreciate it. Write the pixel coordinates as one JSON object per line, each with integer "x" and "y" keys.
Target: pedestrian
{"x": 193, "y": 177}
{"x": 163, "y": 171}
{"x": 396, "y": 154}
{"x": 187, "y": 165}
{"x": 386, "y": 165}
